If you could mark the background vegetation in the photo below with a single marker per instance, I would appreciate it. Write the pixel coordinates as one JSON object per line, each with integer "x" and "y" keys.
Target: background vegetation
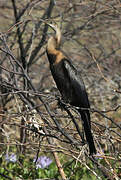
{"x": 38, "y": 139}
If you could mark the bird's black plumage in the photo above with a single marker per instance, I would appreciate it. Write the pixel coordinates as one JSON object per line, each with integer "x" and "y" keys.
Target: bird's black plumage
{"x": 71, "y": 87}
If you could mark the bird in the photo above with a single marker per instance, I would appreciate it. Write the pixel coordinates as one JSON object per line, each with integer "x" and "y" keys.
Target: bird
{"x": 70, "y": 83}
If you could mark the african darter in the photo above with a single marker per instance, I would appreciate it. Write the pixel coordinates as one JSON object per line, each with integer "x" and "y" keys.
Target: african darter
{"x": 70, "y": 84}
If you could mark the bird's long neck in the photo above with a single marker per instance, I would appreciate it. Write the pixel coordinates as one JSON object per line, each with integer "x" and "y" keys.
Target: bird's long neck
{"x": 54, "y": 42}
{"x": 54, "y": 55}
{"x": 51, "y": 45}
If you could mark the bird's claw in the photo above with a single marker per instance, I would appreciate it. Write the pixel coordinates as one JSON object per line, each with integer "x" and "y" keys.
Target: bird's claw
{"x": 61, "y": 104}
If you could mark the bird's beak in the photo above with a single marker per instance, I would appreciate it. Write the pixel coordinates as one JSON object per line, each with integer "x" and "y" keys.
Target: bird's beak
{"x": 54, "y": 27}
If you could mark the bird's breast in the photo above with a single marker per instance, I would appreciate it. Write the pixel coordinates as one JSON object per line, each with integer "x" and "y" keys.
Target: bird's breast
{"x": 62, "y": 80}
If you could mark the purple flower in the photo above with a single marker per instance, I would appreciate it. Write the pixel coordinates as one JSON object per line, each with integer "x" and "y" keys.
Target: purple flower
{"x": 98, "y": 156}
{"x": 42, "y": 162}
{"x": 11, "y": 158}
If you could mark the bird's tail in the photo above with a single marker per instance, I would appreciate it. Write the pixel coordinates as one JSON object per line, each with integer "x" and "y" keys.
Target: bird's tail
{"x": 85, "y": 116}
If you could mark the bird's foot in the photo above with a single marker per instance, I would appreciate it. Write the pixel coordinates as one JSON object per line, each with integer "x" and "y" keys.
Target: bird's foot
{"x": 61, "y": 104}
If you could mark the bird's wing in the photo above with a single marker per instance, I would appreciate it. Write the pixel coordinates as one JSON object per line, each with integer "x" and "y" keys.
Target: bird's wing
{"x": 77, "y": 84}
